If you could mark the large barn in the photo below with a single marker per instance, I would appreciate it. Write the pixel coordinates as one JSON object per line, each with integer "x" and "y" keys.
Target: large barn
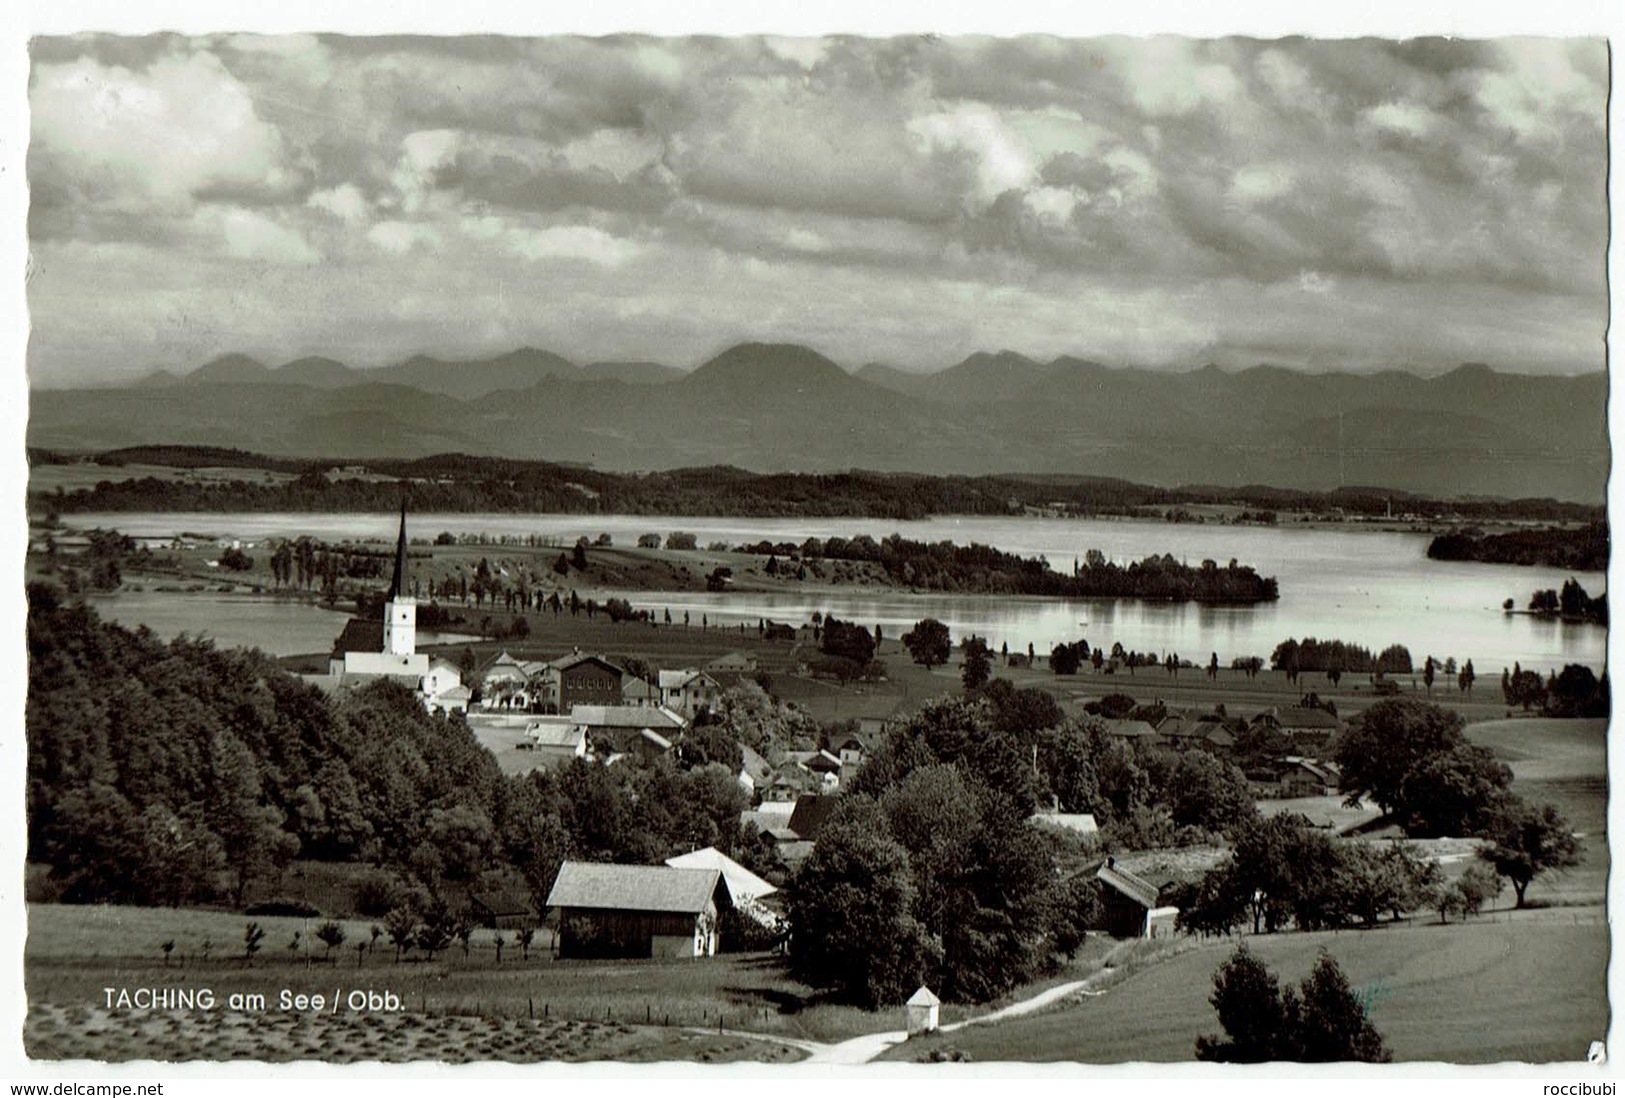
{"x": 637, "y": 910}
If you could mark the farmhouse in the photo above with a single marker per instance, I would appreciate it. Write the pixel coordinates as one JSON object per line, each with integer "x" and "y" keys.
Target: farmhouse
{"x": 1131, "y": 904}
{"x": 1301, "y": 777}
{"x": 1130, "y": 730}
{"x": 746, "y": 890}
{"x": 643, "y": 695}
{"x": 755, "y": 772}
{"x": 1299, "y": 721}
{"x": 637, "y": 910}
{"x": 734, "y": 663}
{"x": 688, "y": 691}
{"x": 578, "y": 679}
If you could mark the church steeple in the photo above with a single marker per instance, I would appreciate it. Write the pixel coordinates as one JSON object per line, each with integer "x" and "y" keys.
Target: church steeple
{"x": 400, "y": 610}
{"x": 397, "y": 586}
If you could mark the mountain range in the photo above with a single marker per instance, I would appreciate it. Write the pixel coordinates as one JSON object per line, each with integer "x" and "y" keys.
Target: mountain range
{"x": 776, "y": 407}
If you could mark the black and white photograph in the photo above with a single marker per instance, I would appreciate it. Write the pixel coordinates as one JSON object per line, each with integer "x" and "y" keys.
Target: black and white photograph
{"x": 798, "y": 551}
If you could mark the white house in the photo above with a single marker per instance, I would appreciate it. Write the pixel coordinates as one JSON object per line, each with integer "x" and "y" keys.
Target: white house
{"x": 688, "y": 691}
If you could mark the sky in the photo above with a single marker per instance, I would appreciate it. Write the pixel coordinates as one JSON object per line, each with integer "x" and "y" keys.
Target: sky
{"x": 1162, "y": 202}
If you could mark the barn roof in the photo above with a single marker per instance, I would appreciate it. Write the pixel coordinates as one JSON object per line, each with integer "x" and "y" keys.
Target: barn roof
{"x": 811, "y": 814}
{"x": 556, "y": 733}
{"x": 502, "y": 902}
{"x": 636, "y": 717}
{"x": 1132, "y": 885}
{"x": 634, "y": 887}
{"x": 1128, "y": 729}
{"x": 1081, "y": 823}
{"x": 752, "y": 763}
{"x": 677, "y": 680}
{"x": 742, "y": 883}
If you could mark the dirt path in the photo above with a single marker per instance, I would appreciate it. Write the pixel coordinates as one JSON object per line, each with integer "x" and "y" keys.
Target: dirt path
{"x": 861, "y": 1050}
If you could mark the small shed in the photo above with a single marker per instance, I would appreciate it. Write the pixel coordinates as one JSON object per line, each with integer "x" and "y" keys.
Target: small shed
{"x": 1128, "y": 899}
{"x": 502, "y": 910}
{"x": 922, "y": 1011}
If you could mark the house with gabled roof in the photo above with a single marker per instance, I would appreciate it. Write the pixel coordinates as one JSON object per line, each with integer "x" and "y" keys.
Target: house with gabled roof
{"x": 637, "y": 692}
{"x": 755, "y": 772}
{"x": 579, "y": 678}
{"x": 744, "y": 887}
{"x": 688, "y": 691}
{"x": 657, "y": 911}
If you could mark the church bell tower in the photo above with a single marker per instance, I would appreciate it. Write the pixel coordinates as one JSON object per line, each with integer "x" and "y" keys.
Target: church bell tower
{"x": 401, "y": 611}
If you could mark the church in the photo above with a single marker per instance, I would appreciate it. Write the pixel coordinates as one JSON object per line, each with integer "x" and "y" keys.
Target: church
{"x": 368, "y": 649}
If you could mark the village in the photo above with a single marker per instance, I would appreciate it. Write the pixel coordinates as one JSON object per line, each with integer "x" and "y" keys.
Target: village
{"x": 545, "y": 715}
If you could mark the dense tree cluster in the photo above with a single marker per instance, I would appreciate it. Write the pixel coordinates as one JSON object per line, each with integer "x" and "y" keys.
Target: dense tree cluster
{"x": 1284, "y": 872}
{"x": 1335, "y": 657}
{"x": 1582, "y": 548}
{"x": 931, "y": 874}
{"x": 462, "y": 483}
{"x": 1573, "y": 603}
{"x": 982, "y": 569}
{"x": 1412, "y": 759}
{"x": 1322, "y": 1021}
{"x": 181, "y": 773}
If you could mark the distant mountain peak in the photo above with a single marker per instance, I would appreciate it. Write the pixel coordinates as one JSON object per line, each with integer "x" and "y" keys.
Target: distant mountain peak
{"x": 231, "y": 367}
{"x": 769, "y": 364}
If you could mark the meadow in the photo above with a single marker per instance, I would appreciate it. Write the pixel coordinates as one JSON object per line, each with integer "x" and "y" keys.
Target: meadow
{"x": 1525, "y": 987}
{"x": 613, "y": 1010}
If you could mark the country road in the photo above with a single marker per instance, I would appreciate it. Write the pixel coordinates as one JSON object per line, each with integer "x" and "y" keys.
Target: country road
{"x": 861, "y": 1050}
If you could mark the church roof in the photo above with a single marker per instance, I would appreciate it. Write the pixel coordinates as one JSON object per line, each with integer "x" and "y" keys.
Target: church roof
{"x": 397, "y": 586}
{"x": 360, "y": 635}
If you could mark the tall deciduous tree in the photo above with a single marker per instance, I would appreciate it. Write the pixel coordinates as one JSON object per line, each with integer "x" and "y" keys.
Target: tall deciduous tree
{"x": 928, "y": 643}
{"x": 1526, "y": 841}
{"x": 851, "y": 910}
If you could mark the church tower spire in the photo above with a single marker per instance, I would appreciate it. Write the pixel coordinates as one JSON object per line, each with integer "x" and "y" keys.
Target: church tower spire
{"x": 400, "y": 611}
{"x": 397, "y": 586}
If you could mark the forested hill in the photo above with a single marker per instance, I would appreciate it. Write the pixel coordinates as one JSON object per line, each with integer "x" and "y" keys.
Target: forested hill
{"x": 463, "y": 483}
{"x": 182, "y": 774}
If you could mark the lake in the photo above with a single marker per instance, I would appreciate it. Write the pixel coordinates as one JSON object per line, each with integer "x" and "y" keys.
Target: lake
{"x": 1369, "y": 587}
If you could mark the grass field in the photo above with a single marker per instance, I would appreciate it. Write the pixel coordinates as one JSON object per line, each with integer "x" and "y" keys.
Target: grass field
{"x": 74, "y": 953}
{"x": 1562, "y": 763}
{"x": 1533, "y": 989}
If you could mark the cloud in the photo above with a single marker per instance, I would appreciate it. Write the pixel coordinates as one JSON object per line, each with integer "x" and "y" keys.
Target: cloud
{"x": 345, "y": 202}
{"x": 577, "y": 242}
{"x": 708, "y": 188}
{"x": 400, "y": 237}
{"x": 249, "y": 235}
{"x": 155, "y": 136}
